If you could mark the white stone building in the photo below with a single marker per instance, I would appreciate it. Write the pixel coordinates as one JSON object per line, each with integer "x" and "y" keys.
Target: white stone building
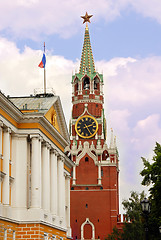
{"x": 34, "y": 171}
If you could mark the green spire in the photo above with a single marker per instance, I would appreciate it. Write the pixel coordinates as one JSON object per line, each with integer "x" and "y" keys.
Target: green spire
{"x": 87, "y": 61}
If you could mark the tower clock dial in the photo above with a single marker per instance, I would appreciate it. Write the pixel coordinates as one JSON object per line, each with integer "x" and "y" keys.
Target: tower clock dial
{"x": 86, "y": 126}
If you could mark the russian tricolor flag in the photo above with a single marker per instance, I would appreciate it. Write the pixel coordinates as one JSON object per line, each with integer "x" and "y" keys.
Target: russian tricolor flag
{"x": 43, "y": 61}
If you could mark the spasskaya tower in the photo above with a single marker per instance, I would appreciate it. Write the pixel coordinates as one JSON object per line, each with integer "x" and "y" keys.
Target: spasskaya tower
{"x": 94, "y": 183}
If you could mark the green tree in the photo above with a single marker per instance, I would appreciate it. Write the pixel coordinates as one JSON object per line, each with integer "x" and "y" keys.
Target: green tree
{"x": 132, "y": 229}
{"x": 115, "y": 235}
{"x": 152, "y": 177}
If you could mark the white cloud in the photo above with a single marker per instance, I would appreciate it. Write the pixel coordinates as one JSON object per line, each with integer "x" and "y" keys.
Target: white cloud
{"x": 148, "y": 8}
{"x": 20, "y": 74}
{"x": 132, "y": 103}
{"x": 135, "y": 118}
{"x": 134, "y": 82}
{"x": 146, "y": 133}
{"x": 33, "y": 18}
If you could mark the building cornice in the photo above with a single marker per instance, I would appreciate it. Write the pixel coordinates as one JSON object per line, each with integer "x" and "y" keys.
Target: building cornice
{"x": 61, "y": 119}
{"x": 8, "y": 107}
{"x": 87, "y": 101}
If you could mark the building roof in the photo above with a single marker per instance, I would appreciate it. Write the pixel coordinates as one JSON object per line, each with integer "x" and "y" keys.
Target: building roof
{"x": 36, "y": 103}
{"x": 42, "y": 105}
{"x": 87, "y": 61}
{"x": 87, "y": 65}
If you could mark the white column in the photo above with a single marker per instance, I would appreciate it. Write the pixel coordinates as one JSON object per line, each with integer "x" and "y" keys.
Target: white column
{"x": 90, "y": 86}
{"x": 63, "y": 194}
{"x": 93, "y": 86}
{"x": 74, "y": 175}
{"x": 81, "y": 87}
{"x": 6, "y": 158}
{"x": 1, "y": 132}
{"x": 19, "y": 171}
{"x": 46, "y": 177}
{"x": 99, "y": 174}
{"x": 67, "y": 195}
{"x": 36, "y": 172}
{"x": 53, "y": 182}
{"x": 61, "y": 207}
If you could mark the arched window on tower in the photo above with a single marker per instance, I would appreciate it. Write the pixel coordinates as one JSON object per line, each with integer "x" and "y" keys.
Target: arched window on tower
{"x": 105, "y": 155}
{"x": 96, "y": 83}
{"x": 86, "y": 83}
{"x": 76, "y": 85}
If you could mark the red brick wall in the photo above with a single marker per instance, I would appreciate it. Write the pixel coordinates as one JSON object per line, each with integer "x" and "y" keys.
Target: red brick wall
{"x": 29, "y": 231}
{"x": 99, "y": 203}
{"x": 33, "y": 231}
{"x": 87, "y": 172}
{"x": 95, "y": 205}
{"x": 94, "y": 109}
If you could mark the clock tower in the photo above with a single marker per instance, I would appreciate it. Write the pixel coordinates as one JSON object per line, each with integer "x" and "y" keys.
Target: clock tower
{"x": 94, "y": 183}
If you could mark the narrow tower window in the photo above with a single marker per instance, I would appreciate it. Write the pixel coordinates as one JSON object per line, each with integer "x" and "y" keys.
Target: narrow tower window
{"x": 86, "y": 83}
{"x": 96, "y": 83}
{"x": 86, "y": 205}
{"x": 86, "y": 159}
{"x": 76, "y": 87}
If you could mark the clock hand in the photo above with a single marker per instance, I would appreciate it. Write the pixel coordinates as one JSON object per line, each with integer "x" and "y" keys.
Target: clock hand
{"x": 88, "y": 125}
{"x": 87, "y": 128}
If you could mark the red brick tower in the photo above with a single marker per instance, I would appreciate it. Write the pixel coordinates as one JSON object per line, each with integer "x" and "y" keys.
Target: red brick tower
{"x": 94, "y": 183}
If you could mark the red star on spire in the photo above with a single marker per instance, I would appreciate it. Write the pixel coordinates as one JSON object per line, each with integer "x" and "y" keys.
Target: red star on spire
{"x": 86, "y": 18}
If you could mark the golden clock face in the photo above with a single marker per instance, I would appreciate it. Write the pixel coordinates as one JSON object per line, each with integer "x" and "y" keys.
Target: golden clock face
{"x": 86, "y": 126}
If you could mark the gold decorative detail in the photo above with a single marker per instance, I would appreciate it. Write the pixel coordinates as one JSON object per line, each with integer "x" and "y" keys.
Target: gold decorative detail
{"x": 86, "y": 126}
{"x": 53, "y": 119}
{"x": 86, "y": 18}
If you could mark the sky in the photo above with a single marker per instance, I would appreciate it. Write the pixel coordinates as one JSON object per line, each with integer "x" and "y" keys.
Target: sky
{"x": 126, "y": 43}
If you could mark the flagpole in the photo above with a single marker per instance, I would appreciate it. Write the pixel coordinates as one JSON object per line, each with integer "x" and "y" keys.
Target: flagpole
{"x": 44, "y": 75}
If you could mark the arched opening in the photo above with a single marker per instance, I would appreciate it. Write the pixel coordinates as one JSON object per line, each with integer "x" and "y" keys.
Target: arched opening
{"x": 87, "y": 230}
{"x": 76, "y": 84}
{"x": 86, "y": 83}
{"x": 96, "y": 83}
{"x": 105, "y": 155}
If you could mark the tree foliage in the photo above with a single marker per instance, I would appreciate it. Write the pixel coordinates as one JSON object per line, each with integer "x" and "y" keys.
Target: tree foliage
{"x": 152, "y": 177}
{"x": 133, "y": 229}
{"x": 115, "y": 235}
